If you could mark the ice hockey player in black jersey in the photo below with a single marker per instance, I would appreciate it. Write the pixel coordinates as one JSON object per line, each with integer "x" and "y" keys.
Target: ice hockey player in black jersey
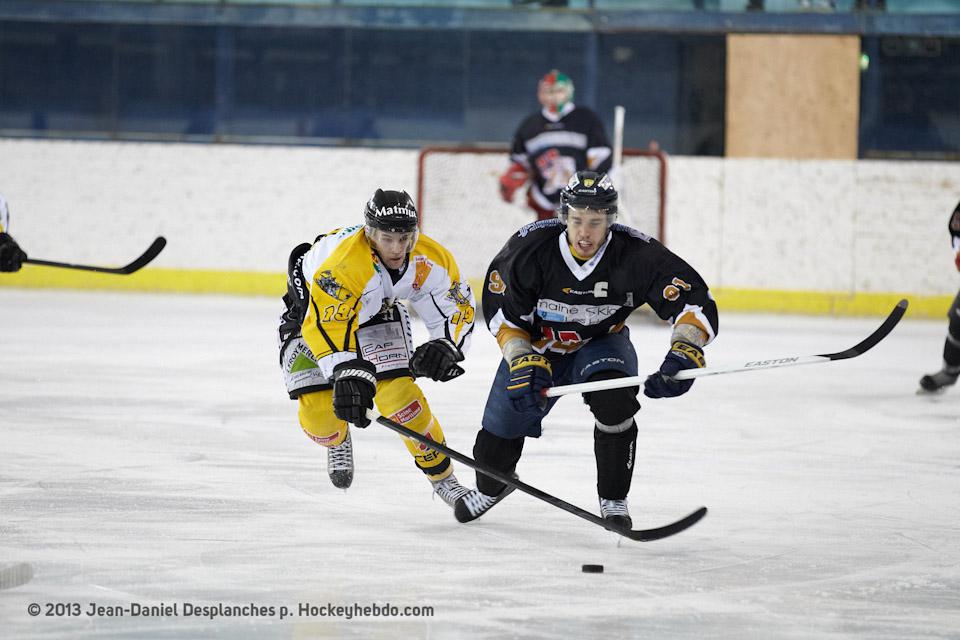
{"x": 553, "y": 144}
{"x": 557, "y": 298}
{"x": 948, "y": 373}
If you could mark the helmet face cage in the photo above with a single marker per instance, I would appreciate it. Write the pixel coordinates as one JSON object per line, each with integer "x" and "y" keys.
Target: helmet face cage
{"x": 555, "y": 90}
{"x": 589, "y": 190}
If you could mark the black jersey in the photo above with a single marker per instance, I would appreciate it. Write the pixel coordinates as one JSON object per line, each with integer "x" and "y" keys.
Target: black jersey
{"x": 553, "y": 150}
{"x": 535, "y": 284}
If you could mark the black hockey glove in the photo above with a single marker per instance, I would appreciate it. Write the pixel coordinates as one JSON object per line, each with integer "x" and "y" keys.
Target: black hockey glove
{"x": 530, "y": 374}
{"x": 682, "y": 355}
{"x": 11, "y": 255}
{"x": 437, "y": 360}
{"x": 354, "y": 385}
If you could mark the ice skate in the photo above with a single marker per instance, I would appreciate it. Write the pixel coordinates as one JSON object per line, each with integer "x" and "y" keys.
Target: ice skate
{"x": 616, "y": 512}
{"x": 937, "y": 382}
{"x": 449, "y": 490}
{"x": 340, "y": 463}
{"x": 475, "y": 503}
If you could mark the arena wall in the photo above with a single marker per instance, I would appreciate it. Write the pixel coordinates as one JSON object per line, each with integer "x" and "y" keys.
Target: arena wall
{"x": 809, "y": 236}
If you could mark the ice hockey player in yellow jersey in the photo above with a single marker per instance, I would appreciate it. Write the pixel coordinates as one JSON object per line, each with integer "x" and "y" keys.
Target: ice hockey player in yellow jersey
{"x": 11, "y": 255}
{"x": 346, "y": 340}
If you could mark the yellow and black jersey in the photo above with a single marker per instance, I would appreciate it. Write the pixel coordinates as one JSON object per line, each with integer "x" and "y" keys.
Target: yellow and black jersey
{"x": 347, "y": 285}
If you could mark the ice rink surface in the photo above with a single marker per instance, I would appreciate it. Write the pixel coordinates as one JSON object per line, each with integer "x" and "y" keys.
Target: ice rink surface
{"x": 149, "y": 455}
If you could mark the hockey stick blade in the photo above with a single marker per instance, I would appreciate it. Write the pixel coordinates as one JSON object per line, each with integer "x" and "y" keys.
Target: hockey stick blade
{"x": 152, "y": 252}
{"x": 642, "y": 535}
{"x": 772, "y": 363}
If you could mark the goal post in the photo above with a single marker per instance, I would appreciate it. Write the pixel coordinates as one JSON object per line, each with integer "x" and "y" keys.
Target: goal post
{"x": 458, "y": 198}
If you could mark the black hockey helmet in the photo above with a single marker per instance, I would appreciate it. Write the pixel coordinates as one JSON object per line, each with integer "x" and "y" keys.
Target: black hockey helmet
{"x": 589, "y": 190}
{"x": 391, "y": 211}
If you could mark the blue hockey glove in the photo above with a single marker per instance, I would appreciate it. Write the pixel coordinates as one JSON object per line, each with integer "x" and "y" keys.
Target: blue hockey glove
{"x": 682, "y": 355}
{"x": 530, "y": 374}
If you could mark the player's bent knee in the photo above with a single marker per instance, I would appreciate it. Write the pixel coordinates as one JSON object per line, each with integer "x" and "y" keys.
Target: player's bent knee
{"x": 317, "y": 419}
{"x": 613, "y": 409}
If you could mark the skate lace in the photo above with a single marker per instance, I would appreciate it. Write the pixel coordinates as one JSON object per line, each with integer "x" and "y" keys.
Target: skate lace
{"x": 478, "y": 502}
{"x": 613, "y": 508}
{"x": 340, "y": 457}
{"x": 450, "y": 490}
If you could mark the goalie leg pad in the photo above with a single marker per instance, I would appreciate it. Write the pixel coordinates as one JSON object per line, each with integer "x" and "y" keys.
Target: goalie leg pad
{"x": 613, "y": 408}
{"x": 500, "y": 453}
{"x": 401, "y": 400}
{"x": 317, "y": 419}
{"x": 615, "y": 453}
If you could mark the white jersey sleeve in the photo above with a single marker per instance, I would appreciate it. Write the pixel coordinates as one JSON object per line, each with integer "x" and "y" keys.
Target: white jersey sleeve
{"x": 444, "y": 299}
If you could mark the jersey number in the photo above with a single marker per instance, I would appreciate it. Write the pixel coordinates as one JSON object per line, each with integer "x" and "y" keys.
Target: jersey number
{"x": 496, "y": 283}
{"x": 672, "y": 291}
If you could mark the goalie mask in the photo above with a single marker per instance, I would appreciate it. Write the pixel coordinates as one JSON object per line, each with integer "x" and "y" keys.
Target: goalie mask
{"x": 391, "y": 225}
{"x": 555, "y": 91}
{"x": 589, "y": 190}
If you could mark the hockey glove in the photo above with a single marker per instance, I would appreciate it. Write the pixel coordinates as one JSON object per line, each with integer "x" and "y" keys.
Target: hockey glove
{"x": 11, "y": 255}
{"x": 530, "y": 374}
{"x": 682, "y": 355}
{"x": 437, "y": 360}
{"x": 511, "y": 180}
{"x": 354, "y": 385}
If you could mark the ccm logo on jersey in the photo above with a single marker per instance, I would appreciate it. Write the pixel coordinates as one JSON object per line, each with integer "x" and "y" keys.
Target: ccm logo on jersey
{"x": 599, "y": 291}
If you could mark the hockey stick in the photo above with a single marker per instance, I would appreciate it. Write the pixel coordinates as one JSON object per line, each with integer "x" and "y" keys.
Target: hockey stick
{"x": 688, "y": 374}
{"x": 643, "y": 535}
{"x": 152, "y": 252}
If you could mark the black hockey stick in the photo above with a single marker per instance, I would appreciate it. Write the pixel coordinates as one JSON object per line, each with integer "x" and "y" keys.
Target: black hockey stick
{"x": 857, "y": 350}
{"x": 152, "y": 252}
{"x": 643, "y": 535}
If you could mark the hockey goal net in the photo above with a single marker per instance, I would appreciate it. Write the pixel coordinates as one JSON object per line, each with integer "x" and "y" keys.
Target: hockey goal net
{"x": 459, "y": 201}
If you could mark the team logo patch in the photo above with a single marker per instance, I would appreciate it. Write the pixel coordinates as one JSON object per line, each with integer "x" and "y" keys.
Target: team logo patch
{"x": 457, "y": 295}
{"x": 331, "y": 286}
{"x": 408, "y": 413}
{"x": 422, "y": 269}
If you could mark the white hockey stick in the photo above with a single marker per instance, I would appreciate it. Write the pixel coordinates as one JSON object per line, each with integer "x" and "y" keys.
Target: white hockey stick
{"x": 616, "y": 166}
{"x": 689, "y": 374}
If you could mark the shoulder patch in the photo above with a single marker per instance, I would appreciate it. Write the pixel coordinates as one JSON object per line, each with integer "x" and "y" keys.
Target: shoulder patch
{"x": 332, "y": 287}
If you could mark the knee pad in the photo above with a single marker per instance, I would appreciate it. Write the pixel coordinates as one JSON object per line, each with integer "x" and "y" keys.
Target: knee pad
{"x": 613, "y": 408}
{"x": 318, "y": 420}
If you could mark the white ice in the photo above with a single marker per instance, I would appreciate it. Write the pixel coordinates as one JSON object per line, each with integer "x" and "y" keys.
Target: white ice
{"x": 149, "y": 455}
